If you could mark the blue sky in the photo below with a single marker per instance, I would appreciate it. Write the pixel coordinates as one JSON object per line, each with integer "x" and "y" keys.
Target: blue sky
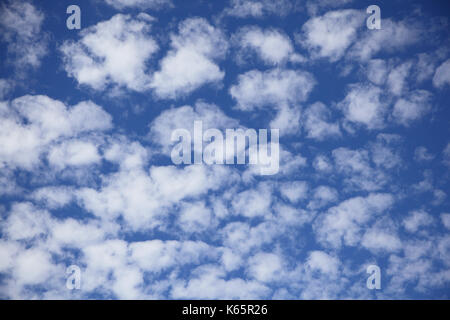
{"x": 86, "y": 177}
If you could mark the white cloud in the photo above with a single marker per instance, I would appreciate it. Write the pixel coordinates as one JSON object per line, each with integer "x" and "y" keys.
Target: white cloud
{"x": 336, "y": 33}
{"x": 280, "y": 89}
{"x": 438, "y": 197}
{"x": 5, "y": 87}
{"x": 208, "y": 282}
{"x": 415, "y": 106}
{"x": 316, "y": 6}
{"x": 330, "y": 35}
{"x": 424, "y": 68}
{"x": 276, "y": 87}
{"x": 291, "y": 163}
{"x": 323, "y": 262}
{"x": 294, "y": 190}
{"x": 190, "y": 63}
{"x": 272, "y": 46}
{"x": 322, "y": 164}
{"x": 195, "y": 217}
{"x": 385, "y": 151}
{"x": 287, "y": 120}
{"x": 141, "y": 4}
{"x": 357, "y": 170}
{"x": 8, "y": 252}
{"x": 253, "y": 202}
{"x": 53, "y": 197}
{"x": 363, "y": 105}
{"x": 26, "y": 222}
{"x": 446, "y": 154}
{"x": 317, "y": 122}
{"x": 30, "y": 124}
{"x": 417, "y": 219}
{"x": 241, "y": 237}
{"x": 143, "y": 199}
{"x": 391, "y": 37}
{"x": 265, "y": 267}
{"x": 73, "y": 153}
{"x": 322, "y": 196}
{"x": 183, "y": 118}
{"x": 289, "y": 216}
{"x": 33, "y": 266}
{"x": 157, "y": 255}
{"x": 421, "y": 154}
{"x": 375, "y": 239}
{"x": 230, "y": 259}
{"x": 377, "y": 71}
{"x": 20, "y": 27}
{"x": 445, "y": 217}
{"x": 344, "y": 223}
{"x": 396, "y": 79}
{"x": 257, "y": 8}
{"x": 113, "y": 52}
{"x": 442, "y": 75}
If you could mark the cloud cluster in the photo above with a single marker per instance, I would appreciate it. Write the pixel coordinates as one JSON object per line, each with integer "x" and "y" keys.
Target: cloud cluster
{"x": 113, "y": 52}
{"x": 21, "y": 28}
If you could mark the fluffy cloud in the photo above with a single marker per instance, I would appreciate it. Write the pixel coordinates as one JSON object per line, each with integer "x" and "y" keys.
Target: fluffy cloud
{"x": 31, "y": 124}
{"x": 322, "y": 164}
{"x": 356, "y": 167}
{"x": 323, "y": 262}
{"x": 317, "y": 122}
{"x": 412, "y": 107}
{"x": 265, "y": 267}
{"x": 417, "y": 219}
{"x": 322, "y": 196}
{"x": 421, "y": 154}
{"x": 330, "y": 35}
{"x": 377, "y": 71}
{"x": 20, "y": 28}
{"x": 445, "y": 217}
{"x": 272, "y": 46}
{"x": 446, "y": 155}
{"x": 253, "y": 203}
{"x": 191, "y": 62}
{"x": 393, "y": 36}
{"x": 112, "y": 53}
{"x": 141, "y": 4}
{"x": 364, "y": 105}
{"x": 195, "y": 217}
{"x": 276, "y": 87}
{"x": 294, "y": 190}
{"x": 183, "y": 118}
{"x": 143, "y": 199}
{"x": 280, "y": 89}
{"x": 375, "y": 239}
{"x": 209, "y": 283}
{"x": 5, "y": 87}
{"x": 344, "y": 223}
{"x": 156, "y": 255}
{"x": 75, "y": 190}
{"x": 257, "y": 8}
{"x": 316, "y": 6}
{"x": 396, "y": 79}
{"x": 343, "y": 31}
{"x": 73, "y": 153}
{"x": 441, "y": 76}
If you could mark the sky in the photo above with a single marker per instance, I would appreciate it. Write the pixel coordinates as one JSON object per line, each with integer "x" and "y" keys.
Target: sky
{"x": 87, "y": 178}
